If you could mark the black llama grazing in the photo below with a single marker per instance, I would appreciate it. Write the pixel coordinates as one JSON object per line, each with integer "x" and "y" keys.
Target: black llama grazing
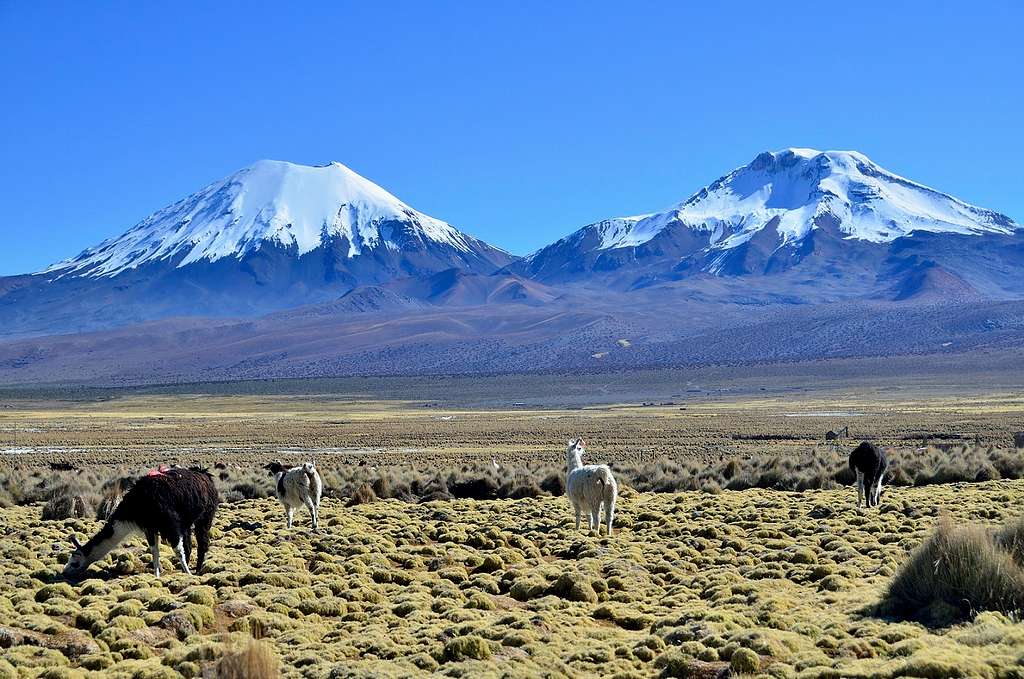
{"x": 166, "y": 503}
{"x": 870, "y": 465}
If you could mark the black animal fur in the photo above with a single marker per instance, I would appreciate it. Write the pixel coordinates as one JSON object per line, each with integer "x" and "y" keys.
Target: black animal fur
{"x": 870, "y": 461}
{"x": 277, "y": 469}
{"x": 168, "y": 505}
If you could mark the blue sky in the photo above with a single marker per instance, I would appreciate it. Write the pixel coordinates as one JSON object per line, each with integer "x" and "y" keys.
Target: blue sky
{"x": 517, "y": 123}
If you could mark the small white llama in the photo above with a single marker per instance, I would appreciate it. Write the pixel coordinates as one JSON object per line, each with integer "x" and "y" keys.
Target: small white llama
{"x": 589, "y": 487}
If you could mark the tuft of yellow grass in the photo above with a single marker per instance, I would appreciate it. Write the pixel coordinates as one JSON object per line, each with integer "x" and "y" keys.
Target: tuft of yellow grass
{"x": 960, "y": 570}
{"x": 255, "y": 660}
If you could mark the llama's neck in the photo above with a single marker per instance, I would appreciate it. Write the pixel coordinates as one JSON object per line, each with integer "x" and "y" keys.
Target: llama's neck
{"x": 109, "y": 537}
{"x": 573, "y": 461}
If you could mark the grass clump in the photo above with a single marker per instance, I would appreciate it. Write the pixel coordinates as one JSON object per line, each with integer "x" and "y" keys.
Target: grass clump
{"x": 65, "y": 506}
{"x": 112, "y": 492}
{"x": 958, "y": 572}
{"x": 57, "y": 590}
{"x": 363, "y": 495}
{"x": 466, "y": 648}
{"x": 744, "y": 660}
{"x": 1011, "y": 538}
{"x": 573, "y": 587}
{"x": 255, "y": 660}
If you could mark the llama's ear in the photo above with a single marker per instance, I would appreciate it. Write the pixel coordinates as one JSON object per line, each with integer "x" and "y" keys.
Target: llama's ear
{"x": 75, "y": 542}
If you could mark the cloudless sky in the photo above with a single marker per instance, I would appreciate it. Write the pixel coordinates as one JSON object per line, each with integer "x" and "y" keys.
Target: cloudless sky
{"x": 517, "y": 122}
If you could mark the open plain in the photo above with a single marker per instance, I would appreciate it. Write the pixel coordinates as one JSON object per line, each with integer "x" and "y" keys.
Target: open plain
{"x": 446, "y": 544}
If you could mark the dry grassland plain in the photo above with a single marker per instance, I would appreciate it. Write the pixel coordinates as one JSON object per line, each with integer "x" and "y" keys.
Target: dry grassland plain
{"x": 721, "y": 562}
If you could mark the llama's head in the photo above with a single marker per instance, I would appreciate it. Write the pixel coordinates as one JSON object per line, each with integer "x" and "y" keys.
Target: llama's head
{"x": 78, "y": 562}
{"x": 275, "y": 468}
{"x": 576, "y": 450}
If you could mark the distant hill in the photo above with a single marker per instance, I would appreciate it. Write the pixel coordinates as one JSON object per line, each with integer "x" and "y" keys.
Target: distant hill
{"x": 460, "y": 288}
{"x": 621, "y": 331}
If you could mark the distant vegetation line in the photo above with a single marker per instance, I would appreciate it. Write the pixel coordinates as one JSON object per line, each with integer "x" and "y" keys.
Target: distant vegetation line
{"x": 83, "y": 488}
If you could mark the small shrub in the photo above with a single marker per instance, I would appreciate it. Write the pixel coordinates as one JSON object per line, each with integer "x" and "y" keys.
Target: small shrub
{"x": 553, "y": 484}
{"x": 246, "y": 491}
{"x": 107, "y": 506}
{"x": 382, "y": 488}
{"x": 256, "y": 660}
{"x": 518, "y": 490}
{"x": 474, "y": 489}
{"x": 1011, "y": 538}
{"x": 112, "y": 492}
{"x": 363, "y": 495}
{"x": 65, "y": 507}
{"x": 957, "y": 572}
{"x": 436, "y": 494}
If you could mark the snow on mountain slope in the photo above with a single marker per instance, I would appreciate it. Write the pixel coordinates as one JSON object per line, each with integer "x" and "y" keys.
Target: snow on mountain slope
{"x": 798, "y": 187}
{"x": 269, "y": 202}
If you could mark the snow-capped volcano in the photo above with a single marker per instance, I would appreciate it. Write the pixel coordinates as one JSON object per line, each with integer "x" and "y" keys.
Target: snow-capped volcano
{"x": 779, "y": 204}
{"x": 271, "y": 236}
{"x": 798, "y": 186}
{"x": 275, "y": 203}
{"x": 791, "y": 227}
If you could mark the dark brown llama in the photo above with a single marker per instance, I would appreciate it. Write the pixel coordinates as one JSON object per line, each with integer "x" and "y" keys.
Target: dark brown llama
{"x": 168, "y": 504}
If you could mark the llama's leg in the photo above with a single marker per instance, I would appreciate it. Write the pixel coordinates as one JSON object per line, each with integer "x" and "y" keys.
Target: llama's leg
{"x": 203, "y": 539}
{"x": 860, "y": 488}
{"x": 290, "y": 511}
{"x": 609, "y": 511}
{"x": 154, "y": 548}
{"x": 187, "y": 539}
{"x": 175, "y": 537}
{"x": 595, "y": 518}
{"x": 312, "y": 511}
{"x": 179, "y": 548}
{"x": 577, "y": 508}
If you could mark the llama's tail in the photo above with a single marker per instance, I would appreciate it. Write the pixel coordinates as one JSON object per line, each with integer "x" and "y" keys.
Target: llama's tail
{"x": 606, "y": 479}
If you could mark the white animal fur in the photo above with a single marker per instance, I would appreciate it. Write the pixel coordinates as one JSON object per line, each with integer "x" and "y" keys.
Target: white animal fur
{"x": 589, "y": 487}
{"x": 121, "y": 531}
{"x": 873, "y": 494}
{"x": 299, "y": 486}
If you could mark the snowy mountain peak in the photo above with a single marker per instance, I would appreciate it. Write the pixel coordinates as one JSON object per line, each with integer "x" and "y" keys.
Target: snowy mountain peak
{"x": 797, "y": 190}
{"x": 270, "y": 202}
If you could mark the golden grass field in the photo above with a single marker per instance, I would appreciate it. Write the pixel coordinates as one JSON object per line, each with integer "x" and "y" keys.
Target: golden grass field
{"x": 758, "y": 582}
{"x": 266, "y": 424}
